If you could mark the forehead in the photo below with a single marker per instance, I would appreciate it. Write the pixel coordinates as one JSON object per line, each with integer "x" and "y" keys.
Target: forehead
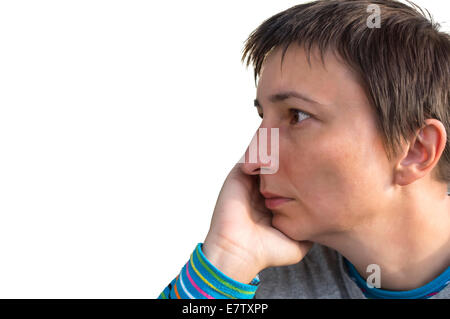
{"x": 328, "y": 81}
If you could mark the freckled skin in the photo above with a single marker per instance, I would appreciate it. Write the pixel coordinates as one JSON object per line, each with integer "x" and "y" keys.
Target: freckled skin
{"x": 333, "y": 165}
{"x": 345, "y": 193}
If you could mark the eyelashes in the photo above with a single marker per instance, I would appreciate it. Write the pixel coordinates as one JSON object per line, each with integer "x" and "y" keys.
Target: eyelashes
{"x": 297, "y": 112}
{"x": 298, "y": 116}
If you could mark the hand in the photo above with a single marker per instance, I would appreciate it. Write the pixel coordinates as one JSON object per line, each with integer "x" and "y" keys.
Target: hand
{"x": 241, "y": 240}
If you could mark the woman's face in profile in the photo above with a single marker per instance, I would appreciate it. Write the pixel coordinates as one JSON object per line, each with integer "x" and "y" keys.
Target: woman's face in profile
{"x": 331, "y": 158}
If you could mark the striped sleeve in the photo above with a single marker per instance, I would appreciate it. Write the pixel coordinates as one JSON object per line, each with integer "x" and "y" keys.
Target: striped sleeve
{"x": 199, "y": 279}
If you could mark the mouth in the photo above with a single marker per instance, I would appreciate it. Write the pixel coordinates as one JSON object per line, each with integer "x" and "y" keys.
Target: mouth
{"x": 275, "y": 202}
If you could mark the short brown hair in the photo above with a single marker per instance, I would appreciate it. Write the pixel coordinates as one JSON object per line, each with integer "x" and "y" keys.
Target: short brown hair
{"x": 403, "y": 65}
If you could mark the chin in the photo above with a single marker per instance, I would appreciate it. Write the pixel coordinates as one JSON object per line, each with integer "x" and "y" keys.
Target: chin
{"x": 288, "y": 227}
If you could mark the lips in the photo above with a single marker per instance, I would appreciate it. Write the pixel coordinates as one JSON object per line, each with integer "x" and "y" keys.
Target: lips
{"x": 274, "y": 200}
{"x": 272, "y": 203}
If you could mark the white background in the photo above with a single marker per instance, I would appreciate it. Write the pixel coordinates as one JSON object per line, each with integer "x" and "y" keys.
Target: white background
{"x": 119, "y": 121}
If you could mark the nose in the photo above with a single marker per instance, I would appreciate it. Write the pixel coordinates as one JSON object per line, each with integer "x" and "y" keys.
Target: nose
{"x": 256, "y": 159}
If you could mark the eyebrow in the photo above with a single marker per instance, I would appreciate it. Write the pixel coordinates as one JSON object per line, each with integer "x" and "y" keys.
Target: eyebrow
{"x": 286, "y": 95}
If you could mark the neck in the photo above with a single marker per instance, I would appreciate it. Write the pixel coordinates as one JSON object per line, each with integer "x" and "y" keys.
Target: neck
{"x": 410, "y": 241}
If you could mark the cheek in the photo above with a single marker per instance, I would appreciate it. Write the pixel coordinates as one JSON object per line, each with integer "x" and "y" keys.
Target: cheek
{"x": 326, "y": 168}
{"x": 336, "y": 176}
{"x": 334, "y": 181}
{"x": 342, "y": 163}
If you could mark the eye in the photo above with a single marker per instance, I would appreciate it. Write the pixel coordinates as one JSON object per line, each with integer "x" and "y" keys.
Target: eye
{"x": 260, "y": 113}
{"x": 298, "y": 116}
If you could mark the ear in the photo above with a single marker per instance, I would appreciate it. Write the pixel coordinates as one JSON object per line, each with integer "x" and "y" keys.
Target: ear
{"x": 422, "y": 153}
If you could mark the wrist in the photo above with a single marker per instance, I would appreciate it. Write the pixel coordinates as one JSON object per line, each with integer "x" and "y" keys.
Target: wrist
{"x": 237, "y": 266}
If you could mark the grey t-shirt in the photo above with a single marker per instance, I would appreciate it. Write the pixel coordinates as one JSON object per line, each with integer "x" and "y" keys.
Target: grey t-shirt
{"x": 322, "y": 273}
